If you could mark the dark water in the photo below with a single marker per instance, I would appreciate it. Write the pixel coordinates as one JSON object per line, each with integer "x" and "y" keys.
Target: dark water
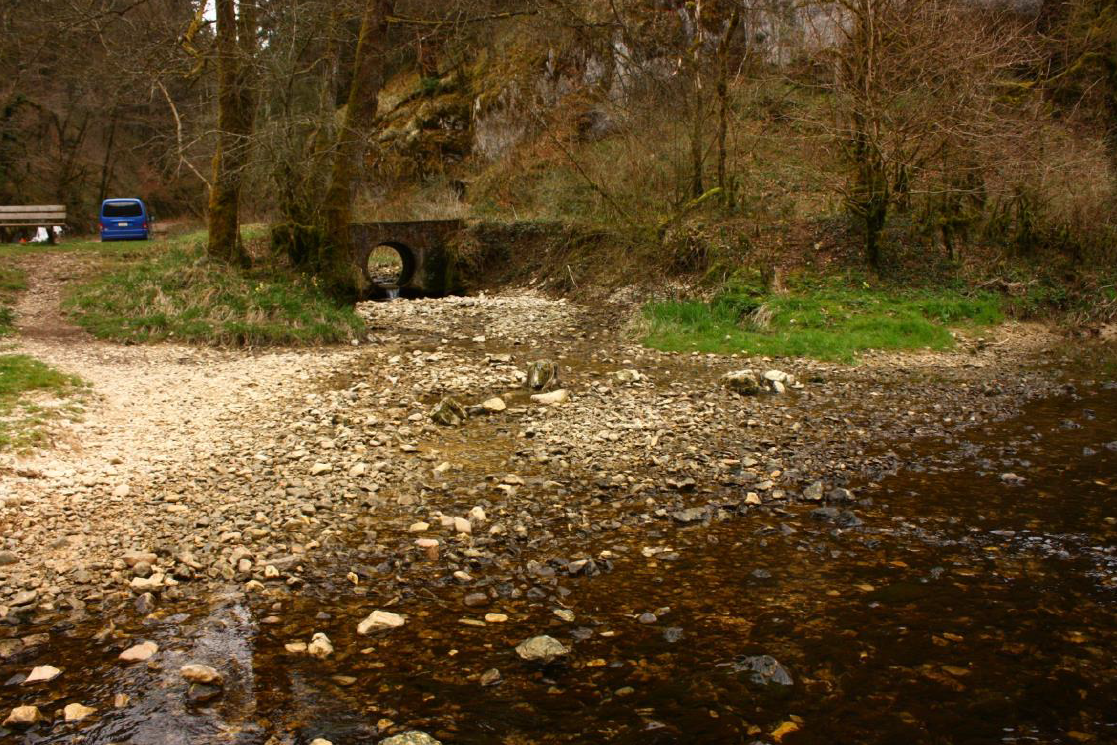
{"x": 967, "y": 607}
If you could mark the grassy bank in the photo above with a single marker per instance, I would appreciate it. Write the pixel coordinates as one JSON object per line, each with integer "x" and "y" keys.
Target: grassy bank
{"x": 22, "y": 419}
{"x": 11, "y": 281}
{"x": 830, "y": 321}
{"x": 172, "y": 292}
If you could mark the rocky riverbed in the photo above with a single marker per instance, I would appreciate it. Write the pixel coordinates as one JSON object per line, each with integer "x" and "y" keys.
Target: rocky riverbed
{"x": 355, "y": 570}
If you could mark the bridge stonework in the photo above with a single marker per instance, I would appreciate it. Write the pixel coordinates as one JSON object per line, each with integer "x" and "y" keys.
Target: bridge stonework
{"x": 428, "y": 266}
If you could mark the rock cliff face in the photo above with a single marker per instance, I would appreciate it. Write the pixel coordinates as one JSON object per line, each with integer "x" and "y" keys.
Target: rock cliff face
{"x": 498, "y": 99}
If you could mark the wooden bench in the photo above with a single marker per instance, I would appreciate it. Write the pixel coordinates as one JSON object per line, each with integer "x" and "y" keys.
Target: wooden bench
{"x": 33, "y": 216}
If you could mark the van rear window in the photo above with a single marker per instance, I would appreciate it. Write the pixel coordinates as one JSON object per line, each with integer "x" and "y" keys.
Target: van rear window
{"x": 121, "y": 209}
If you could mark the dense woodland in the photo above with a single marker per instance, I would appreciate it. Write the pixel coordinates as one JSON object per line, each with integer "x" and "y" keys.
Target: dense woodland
{"x": 945, "y": 130}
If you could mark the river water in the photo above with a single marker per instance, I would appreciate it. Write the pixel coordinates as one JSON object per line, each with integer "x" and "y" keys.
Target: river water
{"x": 969, "y": 597}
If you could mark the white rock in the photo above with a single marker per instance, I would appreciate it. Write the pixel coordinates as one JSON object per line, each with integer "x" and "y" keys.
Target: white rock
{"x": 122, "y": 490}
{"x": 359, "y": 469}
{"x": 320, "y": 646}
{"x": 139, "y": 652}
{"x": 461, "y": 525}
{"x": 549, "y": 399}
{"x": 379, "y": 619}
{"x": 319, "y": 468}
{"x": 419, "y": 527}
{"x": 320, "y": 741}
{"x": 477, "y": 515}
{"x": 42, "y": 674}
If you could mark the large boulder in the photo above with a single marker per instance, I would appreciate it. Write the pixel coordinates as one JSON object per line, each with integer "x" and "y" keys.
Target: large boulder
{"x": 542, "y": 375}
{"x": 744, "y": 382}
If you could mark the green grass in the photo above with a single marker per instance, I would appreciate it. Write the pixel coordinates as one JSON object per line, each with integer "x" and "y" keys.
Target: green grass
{"x": 172, "y": 292}
{"x": 21, "y": 420}
{"x": 826, "y": 321}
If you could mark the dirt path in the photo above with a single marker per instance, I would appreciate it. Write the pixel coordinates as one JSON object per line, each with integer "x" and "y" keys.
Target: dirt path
{"x": 149, "y": 411}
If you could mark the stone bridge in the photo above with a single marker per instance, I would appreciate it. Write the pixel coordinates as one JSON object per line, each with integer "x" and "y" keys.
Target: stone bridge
{"x": 427, "y": 265}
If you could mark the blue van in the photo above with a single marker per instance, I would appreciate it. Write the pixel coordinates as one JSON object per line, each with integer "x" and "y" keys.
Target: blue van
{"x": 123, "y": 220}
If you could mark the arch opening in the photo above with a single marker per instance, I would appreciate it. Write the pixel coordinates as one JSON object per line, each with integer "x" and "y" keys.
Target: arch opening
{"x": 389, "y": 267}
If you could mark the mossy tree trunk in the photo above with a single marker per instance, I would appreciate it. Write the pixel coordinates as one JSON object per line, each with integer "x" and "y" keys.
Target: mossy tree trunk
{"x": 236, "y": 103}
{"x": 335, "y": 263}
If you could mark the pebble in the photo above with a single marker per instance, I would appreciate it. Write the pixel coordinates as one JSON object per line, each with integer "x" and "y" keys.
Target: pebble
{"x": 320, "y": 646}
{"x": 140, "y": 652}
{"x": 203, "y": 674}
{"x": 379, "y": 619}
{"x": 543, "y": 649}
{"x": 494, "y": 405}
{"x": 23, "y": 715}
{"x": 76, "y": 712}
{"x": 42, "y": 674}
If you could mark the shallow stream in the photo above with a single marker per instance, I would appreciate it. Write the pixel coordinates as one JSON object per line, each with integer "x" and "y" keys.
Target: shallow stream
{"x": 971, "y": 597}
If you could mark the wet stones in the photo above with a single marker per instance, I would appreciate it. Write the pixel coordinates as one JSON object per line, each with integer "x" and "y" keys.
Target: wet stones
{"x": 140, "y": 652}
{"x": 203, "y": 674}
{"x": 842, "y": 518}
{"x": 411, "y": 738}
{"x": 23, "y": 716}
{"x": 672, "y": 634}
{"x": 380, "y": 620}
{"x": 543, "y": 649}
{"x": 692, "y": 515}
{"x": 476, "y": 600}
{"x": 448, "y": 412}
{"x": 813, "y": 493}
{"x": 763, "y": 670}
{"x": 542, "y": 375}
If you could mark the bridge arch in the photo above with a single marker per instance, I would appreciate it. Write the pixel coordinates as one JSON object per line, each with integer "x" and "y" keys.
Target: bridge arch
{"x": 389, "y": 264}
{"x": 426, "y": 261}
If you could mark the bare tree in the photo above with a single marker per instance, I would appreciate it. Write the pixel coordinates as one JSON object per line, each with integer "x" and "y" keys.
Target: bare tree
{"x": 914, "y": 80}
